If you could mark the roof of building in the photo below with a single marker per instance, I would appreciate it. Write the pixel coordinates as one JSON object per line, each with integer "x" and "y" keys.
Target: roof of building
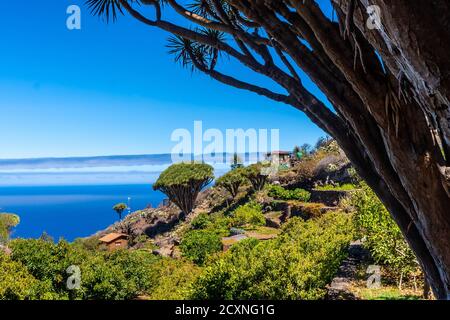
{"x": 110, "y": 237}
{"x": 279, "y": 152}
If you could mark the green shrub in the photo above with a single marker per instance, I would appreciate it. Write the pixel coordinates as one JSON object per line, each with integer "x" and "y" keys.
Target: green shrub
{"x": 342, "y": 187}
{"x": 296, "y": 265}
{"x": 198, "y": 244}
{"x": 382, "y": 236}
{"x": 220, "y": 224}
{"x": 278, "y": 192}
{"x": 16, "y": 283}
{"x": 175, "y": 279}
{"x": 121, "y": 274}
{"x": 202, "y": 221}
{"x": 250, "y": 213}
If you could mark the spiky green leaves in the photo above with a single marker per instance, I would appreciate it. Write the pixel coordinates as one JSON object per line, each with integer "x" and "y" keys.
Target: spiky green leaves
{"x": 232, "y": 180}
{"x": 185, "y": 174}
{"x": 110, "y": 9}
{"x": 194, "y": 55}
{"x": 182, "y": 182}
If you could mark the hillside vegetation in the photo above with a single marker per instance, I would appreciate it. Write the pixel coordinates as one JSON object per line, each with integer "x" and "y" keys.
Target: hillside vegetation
{"x": 249, "y": 236}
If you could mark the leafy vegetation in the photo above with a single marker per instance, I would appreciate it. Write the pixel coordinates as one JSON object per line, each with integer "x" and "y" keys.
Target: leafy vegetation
{"x": 7, "y": 222}
{"x": 296, "y": 265}
{"x": 278, "y": 192}
{"x": 198, "y": 244}
{"x": 382, "y": 235}
{"x": 175, "y": 279}
{"x": 16, "y": 283}
{"x": 121, "y": 274}
{"x": 248, "y": 214}
{"x": 342, "y": 187}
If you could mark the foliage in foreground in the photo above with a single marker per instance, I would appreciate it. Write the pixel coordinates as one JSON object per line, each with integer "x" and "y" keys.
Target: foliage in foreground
{"x": 42, "y": 267}
{"x": 382, "y": 235}
{"x": 296, "y": 265}
{"x": 16, "y": 283}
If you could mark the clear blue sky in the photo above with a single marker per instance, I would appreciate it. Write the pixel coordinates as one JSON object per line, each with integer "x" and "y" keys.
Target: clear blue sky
{"x": 112, "y": 89}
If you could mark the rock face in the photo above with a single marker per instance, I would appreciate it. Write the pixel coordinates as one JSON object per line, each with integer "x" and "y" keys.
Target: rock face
{"x": 149, "y": 222}
{"x": 5, "y": 249}
{"x": 330, "y": 198}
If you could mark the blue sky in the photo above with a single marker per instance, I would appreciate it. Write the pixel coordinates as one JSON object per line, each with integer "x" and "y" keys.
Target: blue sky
{"x": 111, "y": 89}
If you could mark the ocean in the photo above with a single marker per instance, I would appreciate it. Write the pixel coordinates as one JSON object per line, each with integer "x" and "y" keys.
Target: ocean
{"x": 70, "y": 212}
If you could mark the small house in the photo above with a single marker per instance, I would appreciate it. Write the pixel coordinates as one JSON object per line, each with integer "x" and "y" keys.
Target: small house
{"x": 283, "y": 157}
{"x": 114, "y": 241}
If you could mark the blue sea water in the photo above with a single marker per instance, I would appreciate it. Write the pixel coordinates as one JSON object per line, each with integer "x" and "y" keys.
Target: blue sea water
{"x": 73, "y": 197}
{"x": 71, "y": 211}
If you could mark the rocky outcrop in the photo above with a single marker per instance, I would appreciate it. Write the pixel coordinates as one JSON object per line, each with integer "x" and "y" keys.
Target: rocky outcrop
{"x": 5, "y": 249}
{"x": 329, "y": 198}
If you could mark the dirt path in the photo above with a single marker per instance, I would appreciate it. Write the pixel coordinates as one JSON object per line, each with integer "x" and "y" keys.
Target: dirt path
{"x": 339, "y": 288}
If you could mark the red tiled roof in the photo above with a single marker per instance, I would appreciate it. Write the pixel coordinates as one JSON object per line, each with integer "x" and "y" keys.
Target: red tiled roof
{"x": 110, "y": 237}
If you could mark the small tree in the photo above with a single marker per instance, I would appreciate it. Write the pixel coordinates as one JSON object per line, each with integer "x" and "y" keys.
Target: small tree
{"x": 182, "y": 182}
{"x": 257, "y": 174}
{"x": 7, "y": 222}
{"x": 120, "y": 208}
{"x": 297, "y": 152}
{"x": 231, "y": 181}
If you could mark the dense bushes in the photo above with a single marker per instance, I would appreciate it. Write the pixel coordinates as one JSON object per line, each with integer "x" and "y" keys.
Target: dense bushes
{"x": 120, "y": 274}
{"x": 278, "y": 192}
{"x": 175, "y": 279}
{"x": 16, "y": 283}
{"x": 382, "y": 235}
{"x": 296, "y": 265}
{"x": 202, "y": 221}
{"x": 198, "y": 244}
{"x": 248, "y": 214}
